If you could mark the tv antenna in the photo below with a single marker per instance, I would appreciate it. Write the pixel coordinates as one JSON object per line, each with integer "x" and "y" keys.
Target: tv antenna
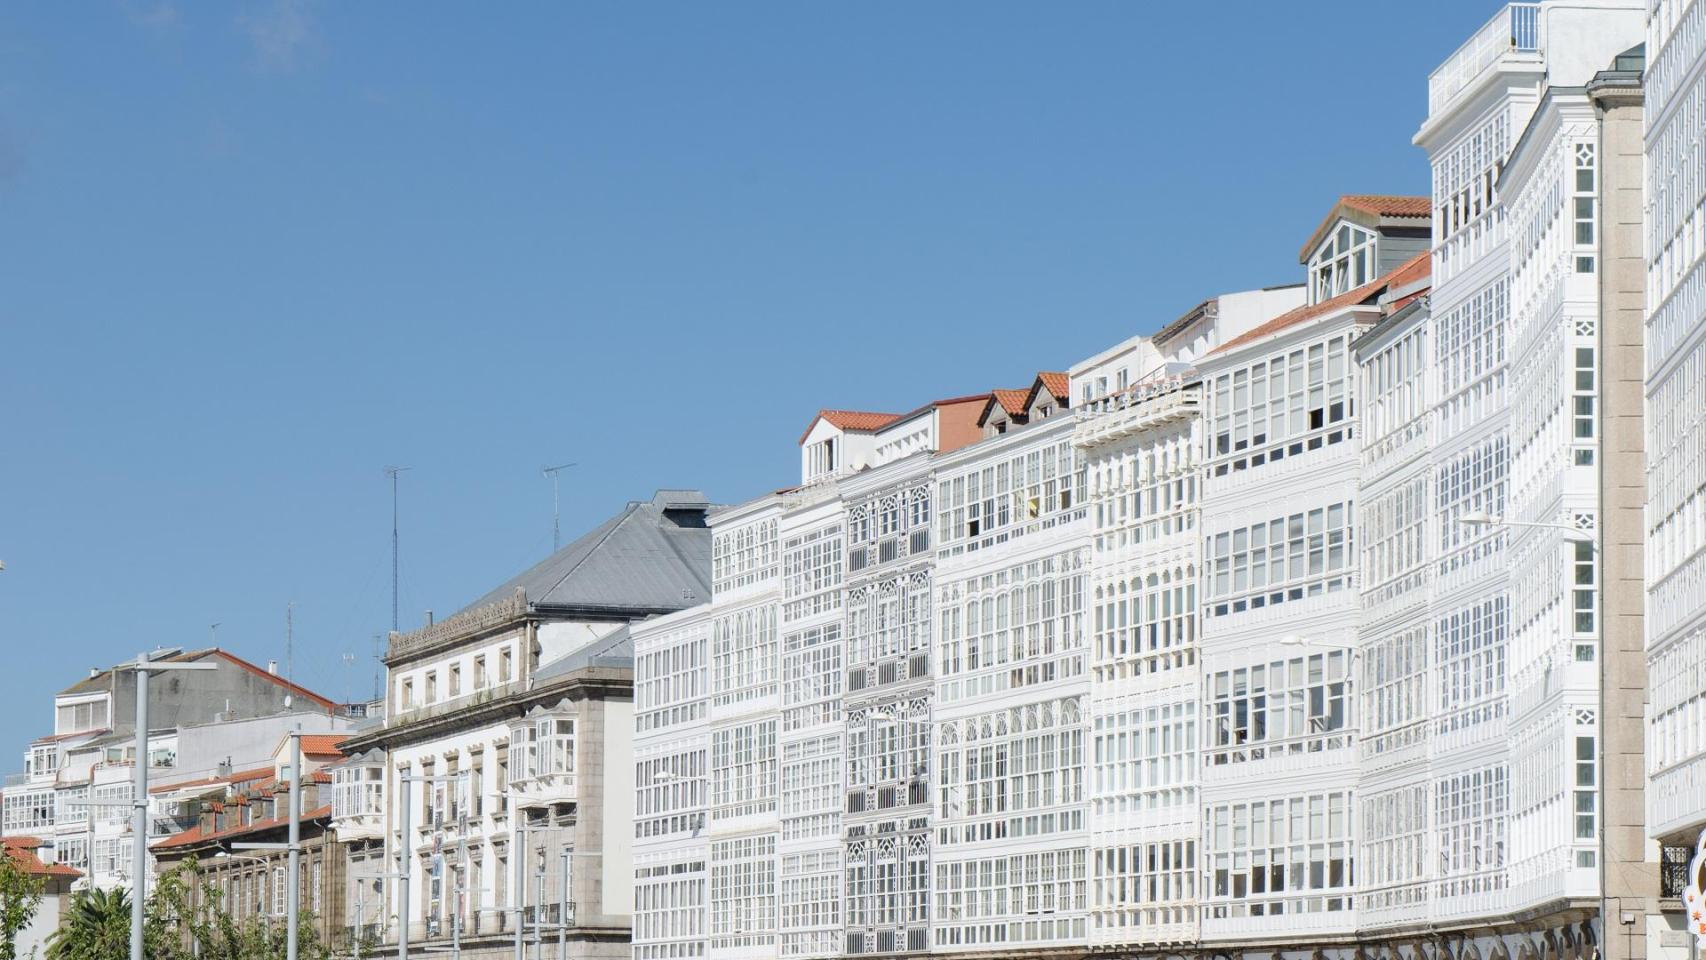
{"x": 556, "y": 514}
{"x": 392, "y": 472}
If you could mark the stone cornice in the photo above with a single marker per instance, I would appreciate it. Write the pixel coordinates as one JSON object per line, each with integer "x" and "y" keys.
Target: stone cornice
{"x": 604, "y": 683}
{"x": 467, "y": 624}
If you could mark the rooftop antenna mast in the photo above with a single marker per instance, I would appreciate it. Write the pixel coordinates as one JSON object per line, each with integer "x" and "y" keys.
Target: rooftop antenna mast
{"x": 556, "y": 513}
{"x": 392, "y": 472}
{"x": 289, "y": 640}
{"x": 378, "y": 667}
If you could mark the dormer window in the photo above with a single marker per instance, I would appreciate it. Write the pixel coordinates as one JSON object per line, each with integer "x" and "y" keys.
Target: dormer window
{"x": 1345, "y": 262}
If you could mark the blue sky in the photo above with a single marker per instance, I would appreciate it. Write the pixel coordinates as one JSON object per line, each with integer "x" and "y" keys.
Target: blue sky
{"x": 250, "y": 254}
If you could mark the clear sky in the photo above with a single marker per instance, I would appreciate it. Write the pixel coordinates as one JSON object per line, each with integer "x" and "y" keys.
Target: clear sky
{"x": 250, "y": 254}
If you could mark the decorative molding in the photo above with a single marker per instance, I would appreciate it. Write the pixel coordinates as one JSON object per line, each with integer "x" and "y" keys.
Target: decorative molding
{"x": 468, "y": 623}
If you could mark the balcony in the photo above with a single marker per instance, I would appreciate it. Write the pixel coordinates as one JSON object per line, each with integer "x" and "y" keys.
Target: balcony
{"x": 1130, "y": 412}
{"x": 1515, "y": 29}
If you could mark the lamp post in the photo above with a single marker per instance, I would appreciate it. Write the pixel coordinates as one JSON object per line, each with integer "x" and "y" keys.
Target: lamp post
{"x": 405, "y": 859}
{"x": 144, "y": 664}
{"x": 1481, "y": 518}
{"x": 292, "y": 848}
{"x": 361, "y": 907}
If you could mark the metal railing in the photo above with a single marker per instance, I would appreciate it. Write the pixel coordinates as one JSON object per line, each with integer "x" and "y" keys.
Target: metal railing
{"x": 1515, "y": 29}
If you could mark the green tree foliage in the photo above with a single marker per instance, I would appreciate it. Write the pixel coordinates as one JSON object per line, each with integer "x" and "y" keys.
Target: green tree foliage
{"x": 187, "y": 912}
{"x": 20, "y": 898}
{"x": 97, "y": 927}
{"x": 184, "y": 918}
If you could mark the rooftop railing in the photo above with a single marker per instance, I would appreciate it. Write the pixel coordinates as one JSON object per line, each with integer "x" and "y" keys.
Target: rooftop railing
{"x": 1514, "y": 29}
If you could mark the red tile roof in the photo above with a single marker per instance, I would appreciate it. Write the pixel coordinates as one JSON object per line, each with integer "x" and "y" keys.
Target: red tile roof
{"x": 1058, "y": 384}
{"x": 1411, "y": 271}
{"x": 1377, "y": 206}
{"x": 1387, "y": 205}
{"x": 858, "y": 421}
{"x": 323, "y": 744}
{"x": 1012, "y": 401}
{"x": 22, "y": 851}
{"x": 194, "y": 835}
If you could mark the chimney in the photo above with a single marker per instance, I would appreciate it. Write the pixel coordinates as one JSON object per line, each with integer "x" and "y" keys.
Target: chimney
{"x": 204, "y": 818}
{"x": 429, "y": 618}
{"x": 272, "y": 667}
{"x": 224, "y": 768}
{"x": 94, "y": 672}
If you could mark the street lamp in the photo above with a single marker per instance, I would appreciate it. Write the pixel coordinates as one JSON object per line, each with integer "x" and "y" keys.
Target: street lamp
{"x": 1481, "y": 518}
{"x": 405, "y": 858}
{"x": 144, "y": 665}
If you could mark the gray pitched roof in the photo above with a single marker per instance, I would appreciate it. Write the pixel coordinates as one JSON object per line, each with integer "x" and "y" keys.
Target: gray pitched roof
{"x": 653, "y": 556}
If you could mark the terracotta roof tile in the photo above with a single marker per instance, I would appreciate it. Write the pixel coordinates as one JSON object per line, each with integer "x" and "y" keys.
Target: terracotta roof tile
{"x": 859, "y": 421}
{"x": 194, "y": 835}
{"x": 1375, "y": 205}
{"x": 22, "y": 851}
{"x": 1409, "y": 272}
{"x": 1056, "y": 383}
{"x": 1388, "y": 205}
{"x": 323, "y": 744}
{"x": 1012, "y": 401}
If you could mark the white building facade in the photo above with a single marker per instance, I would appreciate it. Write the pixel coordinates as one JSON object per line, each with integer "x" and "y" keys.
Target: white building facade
{"x": 1309, "y": 629}
{"x": 1675, "y": 391}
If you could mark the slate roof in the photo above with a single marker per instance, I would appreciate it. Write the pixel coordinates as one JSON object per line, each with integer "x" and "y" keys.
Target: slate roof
{"x": 654, "y": 555}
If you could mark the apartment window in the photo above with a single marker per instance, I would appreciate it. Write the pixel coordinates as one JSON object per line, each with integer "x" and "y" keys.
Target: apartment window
{"x": 1470, "y": 666}
{"x": 1281, "y": 856}
{"x": 43, "y": 760}
{"x": 408, "y": 694}
{"x": 1044, "y": 484}
{"x": 1020, "y": 627}
{"x": 743, "y": 891}
{"x": 812, "y": 677}
{"x": 822, "y": 458}
{"x": 1582, "y": 204}
{"x": 480, "y": 672}
{"x": 743, "y": 770}
{"x": 476, "y": 787}
{"x": 358, "y": 791}
{"x": 743, "y": 556}
{"x": 1287, "y": 706}
{"x": 1585, "y": 390}
{"x": 999, "y": 769}
{"x": 1584, "y": 595}
{"x": 500, "y": 798}
{"x": 1394, "y": 848}
{"x": 279, "y": 889}
{"x": 1147, "y": 884}
{"x": 78, "y": 717}
{"x": 431, "y": 687}
{"x": 455, "y": 680}
{"x": 1284, "y": 559}
{"x": 1586, "y": 789}
{"x": 506, "y": 665}
{"x": 1282, "y": 406}
{"x": 1471, "y": 824}
{"x": 743, "y": 654}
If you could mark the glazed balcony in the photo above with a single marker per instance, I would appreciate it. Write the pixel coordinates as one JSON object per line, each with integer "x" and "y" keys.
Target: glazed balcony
{"x": 1513, "y": 31}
